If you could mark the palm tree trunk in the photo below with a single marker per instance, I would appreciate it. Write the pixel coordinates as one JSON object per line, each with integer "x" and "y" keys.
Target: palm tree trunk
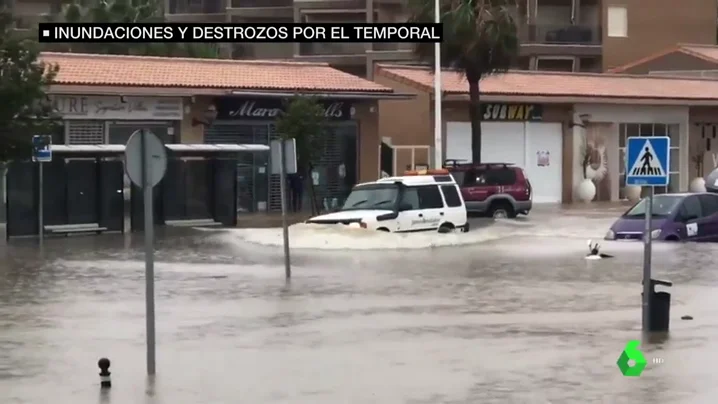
{"x": 475, "y": 116}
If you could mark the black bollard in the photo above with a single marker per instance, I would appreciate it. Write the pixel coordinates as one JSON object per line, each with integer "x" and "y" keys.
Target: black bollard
{"x": 104, "y": 365}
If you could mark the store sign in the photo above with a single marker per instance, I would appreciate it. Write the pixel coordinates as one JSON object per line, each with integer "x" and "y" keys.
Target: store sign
{"x": 271, "y": 108}
{"x": 511, "y": 112}
{"x": 117, "y": 108}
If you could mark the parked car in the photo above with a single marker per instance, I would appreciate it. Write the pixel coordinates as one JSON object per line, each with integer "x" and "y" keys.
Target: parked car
{"x": 415, "y": 202}
{"x": 500, "y": 190}
{"x": 675, "y": 217}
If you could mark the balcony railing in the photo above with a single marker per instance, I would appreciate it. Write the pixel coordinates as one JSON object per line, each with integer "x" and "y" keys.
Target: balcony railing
{"x": 195, "y": 7}
{"x": 324, "y": 48}
{"x": 566, "y": 34}
{"x": 260, "y": 3}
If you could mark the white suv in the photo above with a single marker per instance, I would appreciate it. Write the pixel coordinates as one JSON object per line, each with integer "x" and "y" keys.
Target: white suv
{"x": 418, "y": 201}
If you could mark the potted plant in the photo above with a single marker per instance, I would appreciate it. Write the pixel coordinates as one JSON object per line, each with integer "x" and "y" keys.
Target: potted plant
{"x": 698, "y": 184}
{"x": 586, "y": 189}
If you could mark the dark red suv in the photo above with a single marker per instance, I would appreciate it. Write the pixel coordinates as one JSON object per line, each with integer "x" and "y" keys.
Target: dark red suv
{"x": 497, "y": 189}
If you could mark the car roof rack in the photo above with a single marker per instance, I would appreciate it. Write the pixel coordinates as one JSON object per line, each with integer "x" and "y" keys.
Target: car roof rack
{"x": 455, "y": 163}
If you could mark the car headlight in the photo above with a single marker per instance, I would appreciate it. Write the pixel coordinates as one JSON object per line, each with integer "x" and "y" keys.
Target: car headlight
{"x": 610, "y": 235}
{"x": 656, "y": 233}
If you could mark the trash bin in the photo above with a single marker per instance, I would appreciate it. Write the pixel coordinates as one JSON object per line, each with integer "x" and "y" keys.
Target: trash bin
{"x": 659, "y": 307}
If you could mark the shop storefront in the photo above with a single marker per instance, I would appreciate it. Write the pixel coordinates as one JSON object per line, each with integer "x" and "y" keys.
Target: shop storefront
{"x": 514, "y": 133}
{"x": 245, "y": 120}
{"x": 97, "y": 119}
{"x": 605, "y": 129}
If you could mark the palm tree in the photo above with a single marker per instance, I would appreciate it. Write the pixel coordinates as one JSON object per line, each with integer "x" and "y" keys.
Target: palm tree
{"x": 304, "y": 121}
{"x": 480, "y": 38}
{"x": 127, "y": 11}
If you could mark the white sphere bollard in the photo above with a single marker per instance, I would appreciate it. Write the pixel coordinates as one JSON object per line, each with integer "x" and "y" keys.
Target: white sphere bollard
{"x": 633, "y": 193}
{"x": 698, "y": 185}
{"x": 586, "y": 190}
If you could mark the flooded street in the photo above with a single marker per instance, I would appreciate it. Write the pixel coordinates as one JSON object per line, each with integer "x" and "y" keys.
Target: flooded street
{"x": 508, "y": 313}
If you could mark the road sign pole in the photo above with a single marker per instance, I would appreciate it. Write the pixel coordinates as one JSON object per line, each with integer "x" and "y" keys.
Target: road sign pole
{"x": 647, "y": 241}
{"x": 283, "y": 195}
{"x": 40, "y": 204}
{"x": 149, "y": 255}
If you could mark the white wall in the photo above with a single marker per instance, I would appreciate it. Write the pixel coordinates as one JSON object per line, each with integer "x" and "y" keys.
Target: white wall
{"x": 637, "y": 114}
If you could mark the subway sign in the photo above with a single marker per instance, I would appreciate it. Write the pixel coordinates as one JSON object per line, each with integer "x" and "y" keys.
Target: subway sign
{"x": 511, "y": 112}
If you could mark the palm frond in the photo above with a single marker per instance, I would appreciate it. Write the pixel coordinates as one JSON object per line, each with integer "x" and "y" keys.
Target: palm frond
{"x": 480, "y": 36}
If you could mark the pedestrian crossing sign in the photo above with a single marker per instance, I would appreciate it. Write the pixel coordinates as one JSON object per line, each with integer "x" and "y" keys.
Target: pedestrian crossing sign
{"x": 648, "y": 160}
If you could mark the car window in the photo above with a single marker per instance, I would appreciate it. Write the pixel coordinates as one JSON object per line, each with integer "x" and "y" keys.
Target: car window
{"x": 709, "y": 204}
{"x": 430, "y": 197}
{"x": 470, "y": 178}
{"x": 451, "y": 195}
{"x": 410, "y": 198}
{"x": 691, "y": 208}
{"x": 502, "y": 176}
{"x": 663, "y": 205}
{"x": 458, "y": 176}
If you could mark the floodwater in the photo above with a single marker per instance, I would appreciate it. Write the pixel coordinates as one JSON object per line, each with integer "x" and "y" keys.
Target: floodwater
{"x": 508, "y": 313}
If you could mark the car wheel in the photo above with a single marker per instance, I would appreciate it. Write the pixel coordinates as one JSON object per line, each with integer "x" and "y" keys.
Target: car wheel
{"x": 502, "y": 210}
{"x": 672, "y": 238}
{"x": 466, "y": 228}
{"x": 384, "y": 229}
{"x": 446, "y": 228}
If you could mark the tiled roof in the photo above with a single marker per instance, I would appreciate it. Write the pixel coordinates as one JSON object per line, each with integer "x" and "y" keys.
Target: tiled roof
{"x": 708, "y": 53}
{"x": 143, "y": 71}
{"x": 555, "y": 84}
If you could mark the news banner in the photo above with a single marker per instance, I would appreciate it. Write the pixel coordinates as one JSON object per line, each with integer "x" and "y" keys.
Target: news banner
{"x": 177, "y": 32}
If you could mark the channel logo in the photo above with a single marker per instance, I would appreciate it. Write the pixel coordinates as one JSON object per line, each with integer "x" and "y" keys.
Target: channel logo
{"x": 632, "y": 362}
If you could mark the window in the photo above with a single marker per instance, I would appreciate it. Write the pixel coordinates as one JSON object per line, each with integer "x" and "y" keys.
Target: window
{"x": 617, "y": 22}
{"x": 709, "y": 204}
{"x": 691, "y": 209}
{"x": 372, "y": 197}
{"x": 451, "y": 195}
{"x": 430, "y": 197}
{"x": 663, "y": 205}
{"x": 503, "y": 176}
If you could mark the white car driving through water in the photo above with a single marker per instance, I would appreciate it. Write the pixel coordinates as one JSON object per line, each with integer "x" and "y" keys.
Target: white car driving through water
{"x": 418, "y": 201}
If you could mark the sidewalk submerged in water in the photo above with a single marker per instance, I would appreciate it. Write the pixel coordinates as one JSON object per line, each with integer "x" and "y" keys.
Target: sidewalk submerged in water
{"x": 274, "y": 219}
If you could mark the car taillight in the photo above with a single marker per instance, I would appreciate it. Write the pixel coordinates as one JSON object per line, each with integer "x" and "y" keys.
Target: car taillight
{"x": 528, "y": 188}
{"x": 362, "y": 225}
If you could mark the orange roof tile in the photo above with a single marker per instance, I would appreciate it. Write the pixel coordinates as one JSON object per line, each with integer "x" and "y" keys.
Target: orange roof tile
{"x": 708, "y": 53}
{"x": 144, "y": 71}
{"x": 555, "y": 84}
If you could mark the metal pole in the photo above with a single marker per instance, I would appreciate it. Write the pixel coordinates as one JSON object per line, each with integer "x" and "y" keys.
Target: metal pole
{"x": 647, "y": 262}
{"x": 283, "y": 195}
{"x": 149, "y": 256}
{"x": 438, "y": 140}
{"x": 41, "y": 203}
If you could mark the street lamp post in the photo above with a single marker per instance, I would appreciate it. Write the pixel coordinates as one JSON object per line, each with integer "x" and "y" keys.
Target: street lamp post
{"x": 438, "y": 140}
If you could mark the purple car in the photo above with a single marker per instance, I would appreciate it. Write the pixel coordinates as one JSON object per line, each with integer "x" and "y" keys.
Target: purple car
{"x": 676, "y": 217}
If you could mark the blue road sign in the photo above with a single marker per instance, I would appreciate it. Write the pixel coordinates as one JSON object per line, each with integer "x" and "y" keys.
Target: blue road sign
{"x": 648, "y": 161}
{"x": 41, "y": 148}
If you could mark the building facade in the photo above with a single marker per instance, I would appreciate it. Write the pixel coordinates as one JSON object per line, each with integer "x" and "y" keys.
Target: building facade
{"x": 547, "y": 122}
{"x": 597, "y": 35}
{"x": 555, "y": 35}
{"x": 182, "y": 100}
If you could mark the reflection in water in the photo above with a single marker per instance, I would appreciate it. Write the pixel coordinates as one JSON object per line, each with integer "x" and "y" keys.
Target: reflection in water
{"x": 518, "y": 319}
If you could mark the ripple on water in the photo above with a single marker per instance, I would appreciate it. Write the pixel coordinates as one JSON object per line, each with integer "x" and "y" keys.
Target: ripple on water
{"x": 340, "y": 237}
